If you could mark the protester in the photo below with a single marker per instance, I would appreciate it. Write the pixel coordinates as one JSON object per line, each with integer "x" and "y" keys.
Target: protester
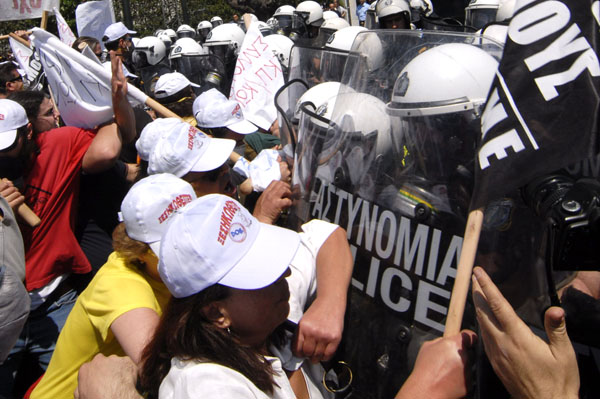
{"x": 51, "y": 180}
{"x": 237, "y": 286}
{"x": 119, "y": 310}
{"x": 117, "y": 37}
{"x": 175, "y": 91}
{"x": 14, "y": 301}
{"x": 221, "y": 117}
{"x": 40, "y": 109}
{"x": 10, "y": 79}
{"x": 82, "y": 41}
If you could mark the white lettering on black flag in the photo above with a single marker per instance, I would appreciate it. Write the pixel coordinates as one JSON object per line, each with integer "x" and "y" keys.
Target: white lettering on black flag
{"x": 542, "y": 110}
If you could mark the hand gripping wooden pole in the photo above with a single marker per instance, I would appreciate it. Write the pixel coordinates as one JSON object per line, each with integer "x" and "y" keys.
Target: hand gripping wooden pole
{"x": 463, "y": 274}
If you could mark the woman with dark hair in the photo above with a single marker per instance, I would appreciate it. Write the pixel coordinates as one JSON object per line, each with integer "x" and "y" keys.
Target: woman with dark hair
{"x": 222, "y": 334}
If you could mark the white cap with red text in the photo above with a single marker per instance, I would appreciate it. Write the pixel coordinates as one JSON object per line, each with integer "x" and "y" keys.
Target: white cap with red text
{"x": 216, "y": 240}
{"x": 151, "y": 203}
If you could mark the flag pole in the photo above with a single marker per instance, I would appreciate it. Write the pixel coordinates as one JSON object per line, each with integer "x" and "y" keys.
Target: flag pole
{"x": 44, "y": 21}
{"x": 460, "y": 290}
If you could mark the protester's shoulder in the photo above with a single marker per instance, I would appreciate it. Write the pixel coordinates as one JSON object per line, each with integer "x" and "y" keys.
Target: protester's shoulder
{"x": 208, "y": 379}
{"x": 65, "y": 135}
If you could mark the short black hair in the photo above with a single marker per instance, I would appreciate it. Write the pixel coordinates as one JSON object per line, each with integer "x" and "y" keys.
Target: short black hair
{"x": 6, "y": 70}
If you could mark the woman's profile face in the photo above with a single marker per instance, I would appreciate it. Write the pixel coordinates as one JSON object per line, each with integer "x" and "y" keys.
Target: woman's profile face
{"x": 254, "y": 314}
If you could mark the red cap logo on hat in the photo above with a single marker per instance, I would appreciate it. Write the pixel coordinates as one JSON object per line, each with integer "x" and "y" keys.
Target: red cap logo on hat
{"x": 229, "y": 210}
{"x": 1, "y": 117}
{"x": 237, "y": 111}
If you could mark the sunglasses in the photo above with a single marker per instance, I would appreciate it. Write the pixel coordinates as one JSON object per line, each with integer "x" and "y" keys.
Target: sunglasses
{"x": 16, "y": 79}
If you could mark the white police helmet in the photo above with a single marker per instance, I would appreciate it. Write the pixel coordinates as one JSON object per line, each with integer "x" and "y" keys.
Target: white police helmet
{"x": 225, "y": 39}
{"x": 481, "y": 12}
{"x": 311, "y": 12}
{"x": 281, "y": 47}
{"x": 149, "y": 50}
{"x": 216, "y": 21}
{"x": 452, "y": 77}
{"x": 185, "y": 31}
{"x": 186, "y": 46}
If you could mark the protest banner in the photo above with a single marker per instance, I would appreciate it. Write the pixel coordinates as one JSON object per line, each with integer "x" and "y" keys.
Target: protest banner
{"x": 92, "y": 18}
{"x": 256, "y": 79}
{"x": 64, "y": 31}
{"x": 28, "y": 61}
{"x": 25, "y": 9}
{"x": 542, "y": 111}
{"x": 81, "y": 87}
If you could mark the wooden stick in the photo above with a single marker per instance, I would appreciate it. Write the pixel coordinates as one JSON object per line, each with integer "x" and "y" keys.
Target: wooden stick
{"x": 460, "y": 290}
{"x": 4, "y": 37}
{"x": 44, "y": 21}
{"x": 20, "y": 39}
{"x": 27, "y": 215}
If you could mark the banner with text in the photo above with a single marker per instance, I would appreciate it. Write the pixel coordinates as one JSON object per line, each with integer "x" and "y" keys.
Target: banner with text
{"x": 542, "y": 110}
{"x": 256, "y": 79}
{"x": 29, "y": 62}
{"x": 25, "y": 9}
{"x": 81, "y": 87}
{"x": 64, "y": 30}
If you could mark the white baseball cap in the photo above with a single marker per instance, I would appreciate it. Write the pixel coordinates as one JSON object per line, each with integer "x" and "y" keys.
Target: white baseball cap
{"x": 150, "y": 204}
{"x": 116, "y": 31}
{"x": 213, "y": 109}
{"x": 186, "y": 149}
{"x": 151, "y": 133}
{"x": 12, "y": 117}
{"x": 216, "y": 240}
{"x": 171, "y": 83}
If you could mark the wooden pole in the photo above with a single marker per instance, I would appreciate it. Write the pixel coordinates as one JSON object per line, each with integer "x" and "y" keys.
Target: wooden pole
{"x": 20, "y": 39}
{"x": 460, "y": 290}
{"x": 44, "y": 22}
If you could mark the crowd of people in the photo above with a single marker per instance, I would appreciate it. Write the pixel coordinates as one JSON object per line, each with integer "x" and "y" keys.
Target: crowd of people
{"x": 159, "y": 267}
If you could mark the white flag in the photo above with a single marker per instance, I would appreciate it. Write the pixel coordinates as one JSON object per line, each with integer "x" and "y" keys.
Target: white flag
{"x": 64, "y": 30}
{"x": 81, "y": 87}
{"x": 93, "y": 17}
{"x": 28, "y": 62}
{"x": 256, "y": 79}
{"x": 25, "y": 9}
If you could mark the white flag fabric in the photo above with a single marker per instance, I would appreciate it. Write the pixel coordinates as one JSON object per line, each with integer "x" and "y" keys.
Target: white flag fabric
{"x": 256, "y": 79}
{"x": 25, "y": 9}
{"x": 64, "y": 30}
{"x": 81, "y": 87}
{"x": 93, "y": 17}
{"x": 28, "y": 62}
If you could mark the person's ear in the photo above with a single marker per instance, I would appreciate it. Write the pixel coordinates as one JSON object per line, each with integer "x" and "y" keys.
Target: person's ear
{"x": 217, "y": 314}
{"x": 29, "y": 131}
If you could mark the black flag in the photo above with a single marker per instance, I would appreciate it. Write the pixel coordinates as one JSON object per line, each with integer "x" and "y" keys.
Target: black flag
{"x": 542, "y": 111}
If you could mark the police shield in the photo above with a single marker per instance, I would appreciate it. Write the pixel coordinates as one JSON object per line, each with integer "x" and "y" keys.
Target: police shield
{"x": 390, "y": 159}
{"x": 316, "y": 65}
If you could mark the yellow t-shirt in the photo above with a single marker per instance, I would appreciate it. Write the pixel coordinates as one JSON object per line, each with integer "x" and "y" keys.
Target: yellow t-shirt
{"x": 116, "y": 289}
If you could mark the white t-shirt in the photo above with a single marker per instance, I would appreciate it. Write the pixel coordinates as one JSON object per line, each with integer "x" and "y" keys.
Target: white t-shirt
{"x": 190, "y": 379}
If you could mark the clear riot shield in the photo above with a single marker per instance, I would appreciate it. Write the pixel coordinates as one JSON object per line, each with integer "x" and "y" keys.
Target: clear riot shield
{"x": 200, "y": 68}
{"x": 286, "y": 99}
{"x": 316, "y": 65}
{"x": 397, "y": 173}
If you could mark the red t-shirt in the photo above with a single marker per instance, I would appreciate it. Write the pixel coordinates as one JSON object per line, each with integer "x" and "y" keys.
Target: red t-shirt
{"x": 51, "y": 190}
